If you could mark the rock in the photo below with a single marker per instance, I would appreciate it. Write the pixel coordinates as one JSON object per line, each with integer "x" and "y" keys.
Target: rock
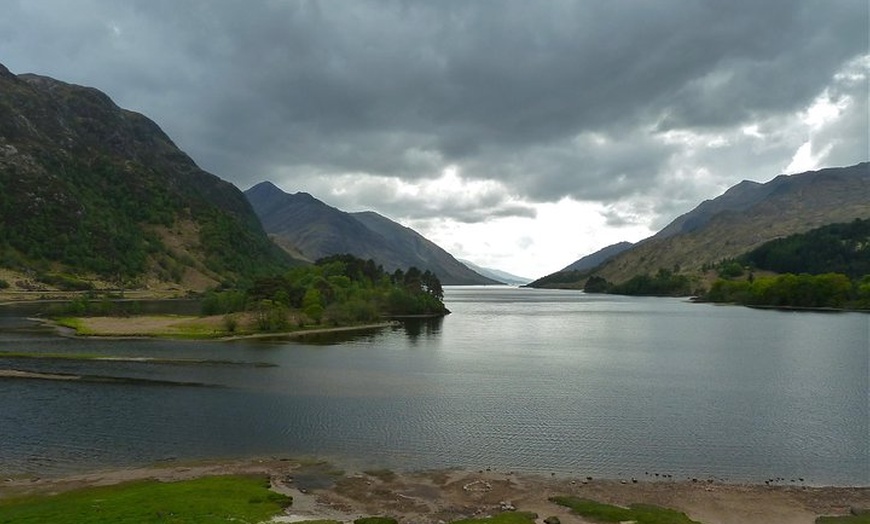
{"x": 552, "y": 520}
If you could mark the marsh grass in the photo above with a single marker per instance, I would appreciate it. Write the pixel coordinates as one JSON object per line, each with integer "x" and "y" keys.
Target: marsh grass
{"x": 859, "y": 517}
{"x": 639, "y": 513}
{"x": 376, "y": 520}
{"x": 508, "y": 517}
{"x": 205, "y": 500}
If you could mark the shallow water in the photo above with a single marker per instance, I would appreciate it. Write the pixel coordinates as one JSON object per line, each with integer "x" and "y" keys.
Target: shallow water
{"x": 514, "y": 379}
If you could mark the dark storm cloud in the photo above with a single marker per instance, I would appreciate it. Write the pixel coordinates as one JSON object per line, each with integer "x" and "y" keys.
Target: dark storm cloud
{"x": 555, "y": 99}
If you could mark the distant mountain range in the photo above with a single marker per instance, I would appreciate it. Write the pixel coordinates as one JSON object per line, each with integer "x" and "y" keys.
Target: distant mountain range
{"x": 90, "y": 192}
{"x": 496, "y": 274}
{"x": 93, "y": 194}
{"x": 315, "y": 230}
{"x": 744, "y": 217}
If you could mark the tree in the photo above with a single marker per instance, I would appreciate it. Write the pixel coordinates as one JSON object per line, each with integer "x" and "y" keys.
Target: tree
{"x": 432, "y": 285}
{"x": 312, "y": 304}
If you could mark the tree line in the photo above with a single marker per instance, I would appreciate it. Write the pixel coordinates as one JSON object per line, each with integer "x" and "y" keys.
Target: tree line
{"x": 827, "y": 267}
{"x": 336, "y": 290}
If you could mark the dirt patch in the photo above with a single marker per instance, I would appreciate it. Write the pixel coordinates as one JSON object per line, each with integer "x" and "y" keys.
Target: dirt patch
{"x": 145, "y": 325}
{"x": 322, "y": 492}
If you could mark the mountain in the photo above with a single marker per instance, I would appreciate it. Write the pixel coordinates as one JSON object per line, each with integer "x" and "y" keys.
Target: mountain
{"x": 317, "y": 230}
{"x": 90, "y": 192}
{"x": 741, "y": 219}
{"x": 413, "y": 249}
{"x": 497, "y": 274}
{"x": 599, "y": 257}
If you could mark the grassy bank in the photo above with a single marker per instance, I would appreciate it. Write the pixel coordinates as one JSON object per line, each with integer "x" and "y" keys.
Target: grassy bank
{"x": 179, "y": 327}
{"x": 204, "y": 500}
{"x": 240, "y": 492}
{"x": 162, "y": 326}
{"x": 638, "y": 513}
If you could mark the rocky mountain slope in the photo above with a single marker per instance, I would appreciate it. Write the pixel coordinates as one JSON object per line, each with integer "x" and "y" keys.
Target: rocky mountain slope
{"x": 90, "y": 190}
{"x": 317, "y": 230}
{"x": 743, "y": 218}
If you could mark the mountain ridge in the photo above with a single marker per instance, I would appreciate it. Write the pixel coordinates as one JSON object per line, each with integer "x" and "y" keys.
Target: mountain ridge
{"x": 599, "y": 257}
{"x": 744, "y": 217}
{"x": 317, "y": 230}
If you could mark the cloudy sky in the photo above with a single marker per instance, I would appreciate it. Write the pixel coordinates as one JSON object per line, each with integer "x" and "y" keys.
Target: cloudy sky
{"x": 519, "y": 135}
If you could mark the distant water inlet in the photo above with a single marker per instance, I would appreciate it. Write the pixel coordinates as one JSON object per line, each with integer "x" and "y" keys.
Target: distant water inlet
{"x": 514, "y": 379}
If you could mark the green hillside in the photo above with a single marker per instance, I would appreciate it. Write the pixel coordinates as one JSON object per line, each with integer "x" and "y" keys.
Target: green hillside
{"x": 90, "y": 192}
{"x": 745, "y": 217}
{"x": 836, "y": 248}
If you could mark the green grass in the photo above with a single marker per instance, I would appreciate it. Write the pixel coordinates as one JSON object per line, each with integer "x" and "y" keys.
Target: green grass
{"x": 189, "y": 330}
{"x": 508, "y": 517}
{"x": 207, "y": 500}
{"x": 74, "y": 323}
{"x": 376, "y": 520}
{"x": 860, "y": 518}
{"x": 641, "y": 513}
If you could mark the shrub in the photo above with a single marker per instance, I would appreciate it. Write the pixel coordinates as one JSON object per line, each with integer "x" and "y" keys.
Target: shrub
{"x": 231, "y": 323}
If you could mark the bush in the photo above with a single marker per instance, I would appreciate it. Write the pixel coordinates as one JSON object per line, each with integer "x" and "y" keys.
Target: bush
{"x": 596, "y": 284}
{"x": 829, "y": 290}
{"x": 730, "y": 269}
{"x": 231, "y": 323}
{"x": 217, "y": 303}
{"x": 271, "y": 316}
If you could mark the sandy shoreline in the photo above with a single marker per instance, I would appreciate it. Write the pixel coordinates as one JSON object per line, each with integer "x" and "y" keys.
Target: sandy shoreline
{"x": 429, "y": 497}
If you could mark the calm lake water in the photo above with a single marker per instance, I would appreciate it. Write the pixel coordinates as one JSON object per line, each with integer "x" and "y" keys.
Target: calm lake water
{"x": 514, "y": 379}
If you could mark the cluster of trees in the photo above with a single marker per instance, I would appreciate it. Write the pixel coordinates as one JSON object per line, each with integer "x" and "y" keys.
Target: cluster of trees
{"x": 836, "y": 248}
{"x": 665, "y": 283}
{"x": 828, "y": 267}
{"x": 828, "y": 290}
{"x": 87, "y": 218}
{"x": 336, "y": 290}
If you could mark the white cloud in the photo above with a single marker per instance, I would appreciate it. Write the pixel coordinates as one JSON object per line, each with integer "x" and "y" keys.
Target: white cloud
{"x": 560, "y": 233}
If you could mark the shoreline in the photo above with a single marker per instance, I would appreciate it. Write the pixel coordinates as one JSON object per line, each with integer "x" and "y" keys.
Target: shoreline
{"x": 322, "y": 491}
